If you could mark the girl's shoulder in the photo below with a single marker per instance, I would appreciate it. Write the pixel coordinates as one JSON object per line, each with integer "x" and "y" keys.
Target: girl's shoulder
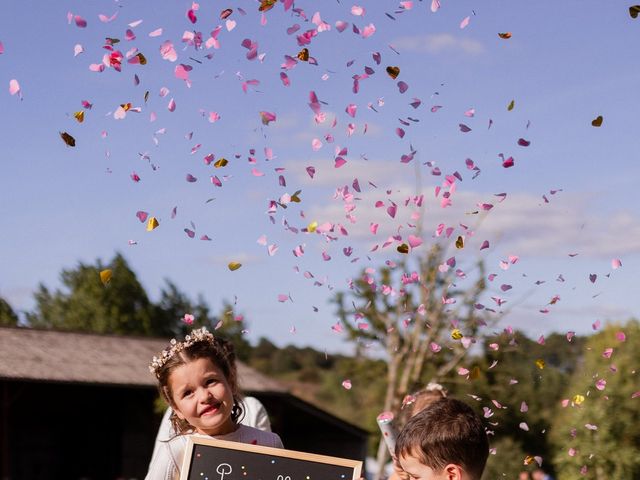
{"x": 245, "y": 434}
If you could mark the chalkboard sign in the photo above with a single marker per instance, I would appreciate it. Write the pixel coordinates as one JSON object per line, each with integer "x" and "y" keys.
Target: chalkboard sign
{"x": 210, "y": 459}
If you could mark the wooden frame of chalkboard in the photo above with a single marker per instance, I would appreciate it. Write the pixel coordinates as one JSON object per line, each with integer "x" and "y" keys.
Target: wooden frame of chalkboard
{"x": 211, "y": 459}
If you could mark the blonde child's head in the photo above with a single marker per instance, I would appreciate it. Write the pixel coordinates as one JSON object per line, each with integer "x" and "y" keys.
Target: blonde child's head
{"x": 181, "y": 361}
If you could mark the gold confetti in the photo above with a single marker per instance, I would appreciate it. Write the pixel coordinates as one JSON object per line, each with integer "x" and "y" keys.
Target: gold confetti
{"x": 528, "y": 460}
{"x": 233, "y": 266}
{"x": 459, "y": 242}
{"x": 634, "y": 10}
{"x": 456, "y": 334}
{"x": 475, "y": 373}
{"x": 505, "y": 35}
{"x": 79, "y": 116}
{"x": 303, "y": 55}
{"x": 105, "y": 276}
{"x": 266, "y": 5}
{"x": 512, "y": 104}
{"x": 223, "y": 162}
{"x": 578, "y": 399}
{"x": 68, "y": 139}
{"x": 152, "y": 224}
{"x": 597, "y": 122}
{"x": 403, "y": 248}
{"x": 393, "y": 72}
{"x": 296, "y": 197}
{"x": 540, "y": 363}
{"x": 312, "y": 227}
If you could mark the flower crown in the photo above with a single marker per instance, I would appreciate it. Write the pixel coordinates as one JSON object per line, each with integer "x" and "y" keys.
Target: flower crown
{"x": 196, "y": 336}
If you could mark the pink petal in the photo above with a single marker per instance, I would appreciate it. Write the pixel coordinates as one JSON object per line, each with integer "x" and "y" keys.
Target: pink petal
{"x": 465, "y": 22}
{"x": 213, "y": 117}
{"x": 357, "y": 11}
{"x": 524, "y": 407}
{"x": 616, "y": 263}
{"x": 104, "y": 19}
{"x": 316, "y": 144}
{"x": 414, "y": 241}
{"x": 77, "y": 50}
{"x": 14, "y": 86}
{"x": 484, "y": 245}
{"x": 272, "y": 249}
{"x": 80, "y": 22}
{"x": 351, "y": 110}
{"x": 256, "y": 173}
{"x": 339, "y": 162}
{"x": 402, "y": 87}
{"x": 621, "y": 337}
{"x": 142, "y": 216}
{"x": 346, "y": 384}
{"x": 341, "y": 26}
{"x": 168, "y": 52}
{"x": 285, "y": 79}
{"x": 311, "y": 171}
{"x": 400, "y": 132}
{"x": 156, "y": 33}
{"x": 172, "y": 105}
{"x": 368, "y": 30}
{"x": 283, "y": 297}
{"x": 391, "y": 210}
{"x": 435, "y": 5}
{"x": 508, "y": 163}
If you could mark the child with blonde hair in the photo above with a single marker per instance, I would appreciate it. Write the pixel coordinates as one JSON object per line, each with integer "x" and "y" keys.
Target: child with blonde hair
{"x": 198, "y": 378}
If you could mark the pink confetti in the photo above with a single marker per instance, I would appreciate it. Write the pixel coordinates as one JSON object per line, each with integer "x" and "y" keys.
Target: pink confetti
{"x": 14, "y": 86}
{"x": 607, "y": 352}
{"x": 402, "y": 87}
{"x": 465, "y": 22}
{"x": 621, "y": 337}
{"x": 601, "y": 384}
{"x": 616, "y": 263}
{"x": 524, "y": 426}
{"x": 188, "y": 319}
{"x": 80, "y": 22}
{"x": 77, "y": 50}
{"x": 464, "y": 128}
{"x": 283, "y": 297}
{"x": 485, "y": 244}
{"x": 524, "y": 407}
{"x": 156, "y": 33}
{"x": 357, "y": 11}
{"x": 414, "y": 241}
{"x": 508, "y": 163}
{"x": 435, "y": 5}
{"x": 341, "y": 26}
{"x": 351, "y": 110}
{"x": 1, "y": 48}
{"x": 168, "y": 52}
{"x": 593, "y": 277}
{"x": 368, "y": 30}
{"x": 172, "y": 105}
{"x": 142, "y": 216}
{"x": 267, "y": 117}
{"x": 523, "y": 143}
{"x": 635, "y": 394}
{"x": 346, "y": 384}
{"x": 104, "y": 19}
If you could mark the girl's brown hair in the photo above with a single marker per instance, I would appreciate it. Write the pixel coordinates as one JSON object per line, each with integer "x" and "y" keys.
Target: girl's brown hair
{"x": 222, "y": 354}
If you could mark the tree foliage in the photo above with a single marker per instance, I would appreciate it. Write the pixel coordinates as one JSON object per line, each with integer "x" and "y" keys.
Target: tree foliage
{"x": 120, "y": 307}
{"x": 8, "y": 318}
{"x": 597, "y": 433}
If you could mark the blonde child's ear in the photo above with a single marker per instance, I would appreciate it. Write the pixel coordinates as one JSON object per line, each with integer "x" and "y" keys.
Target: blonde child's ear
{"x": 454, "y": 472}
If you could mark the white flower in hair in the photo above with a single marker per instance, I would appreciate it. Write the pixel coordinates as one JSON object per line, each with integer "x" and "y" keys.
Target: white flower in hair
{"x": 196, "y": 336}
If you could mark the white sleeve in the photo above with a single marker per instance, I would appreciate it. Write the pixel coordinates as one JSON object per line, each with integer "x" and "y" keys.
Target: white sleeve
{"x": 166, "y": 460}
{"x": 255, "y": 415}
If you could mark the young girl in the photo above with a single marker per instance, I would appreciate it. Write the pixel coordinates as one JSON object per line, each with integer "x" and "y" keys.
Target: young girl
{"x": 198, "y": 378}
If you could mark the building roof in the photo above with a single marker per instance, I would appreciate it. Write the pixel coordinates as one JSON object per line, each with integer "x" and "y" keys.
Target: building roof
{"x": 73, "y": 357}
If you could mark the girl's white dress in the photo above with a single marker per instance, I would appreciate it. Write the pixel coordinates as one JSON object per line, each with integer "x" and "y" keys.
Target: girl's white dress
{"x": 167, "y": 459}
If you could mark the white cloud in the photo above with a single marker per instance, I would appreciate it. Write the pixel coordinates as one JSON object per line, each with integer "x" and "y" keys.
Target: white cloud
{"x": 522, "y": 224}
{"x": 437, "y": 43}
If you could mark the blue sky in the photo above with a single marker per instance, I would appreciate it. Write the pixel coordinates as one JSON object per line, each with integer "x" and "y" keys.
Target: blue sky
{"x": 565, "y": 64}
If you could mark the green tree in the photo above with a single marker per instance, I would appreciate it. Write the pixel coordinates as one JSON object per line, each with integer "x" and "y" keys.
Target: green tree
{"x": 7, "y": 316}
{"x": 85, "y": 303}
{"x": 597, "y": 433}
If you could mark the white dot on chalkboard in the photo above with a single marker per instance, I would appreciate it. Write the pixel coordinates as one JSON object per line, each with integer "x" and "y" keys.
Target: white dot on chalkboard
{"x": 197, "y": 455}
{"x": 273, "y": 461}
{"x": 244, "y": 473}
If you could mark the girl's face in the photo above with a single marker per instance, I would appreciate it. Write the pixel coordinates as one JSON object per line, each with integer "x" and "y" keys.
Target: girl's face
{"x": 202, "y": 396}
